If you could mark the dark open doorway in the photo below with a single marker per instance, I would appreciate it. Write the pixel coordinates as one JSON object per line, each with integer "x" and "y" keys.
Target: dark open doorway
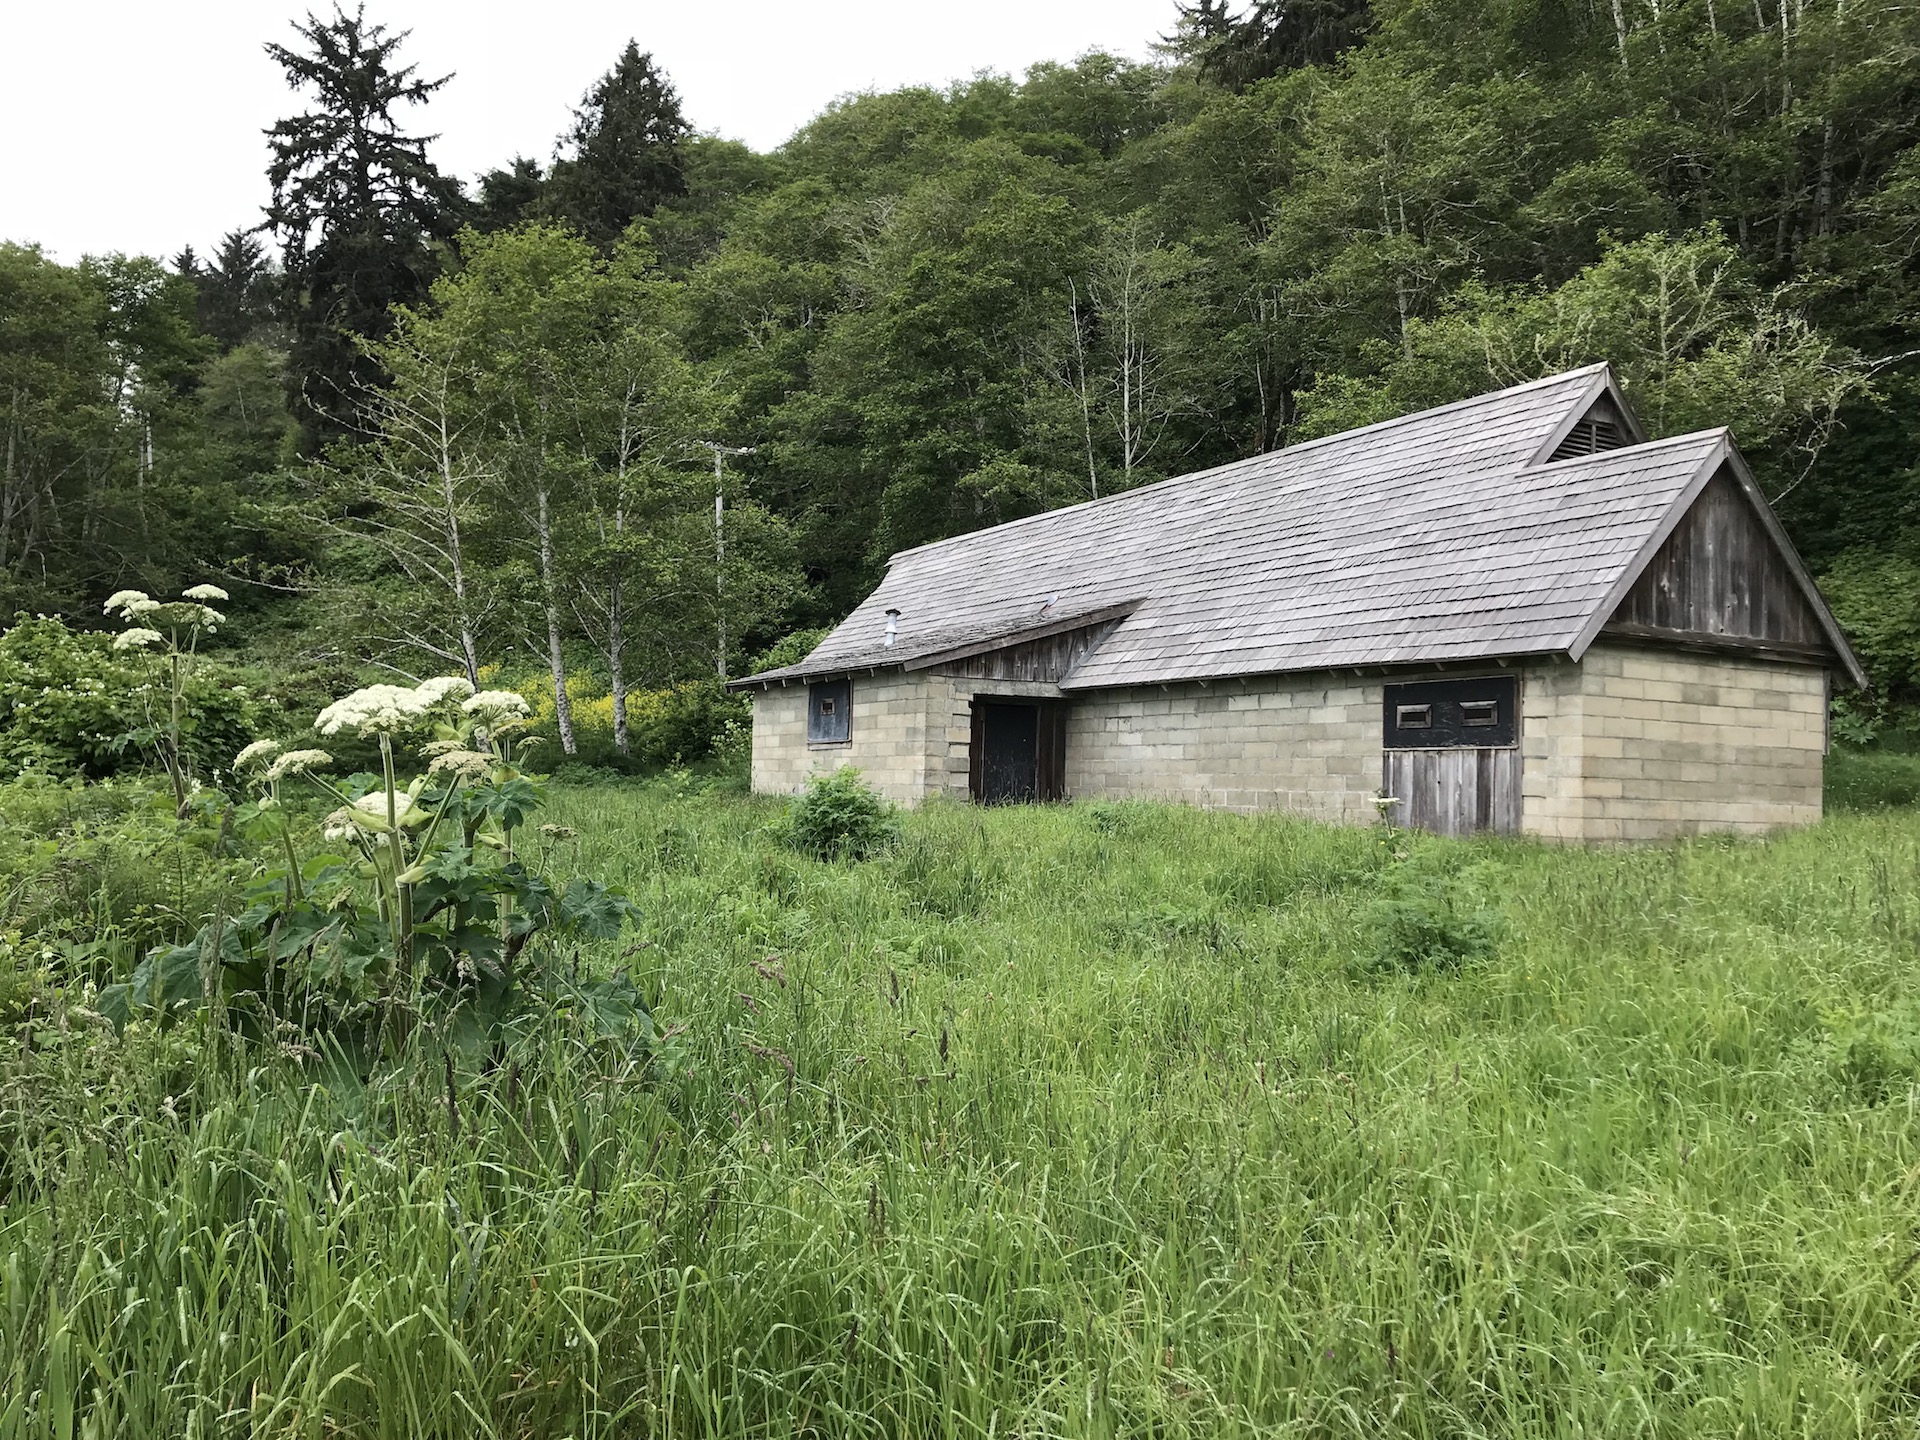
{"x": 1019, "y": 751}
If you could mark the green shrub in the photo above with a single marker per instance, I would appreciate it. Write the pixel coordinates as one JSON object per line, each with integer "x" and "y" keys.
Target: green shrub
{"x": 103, "y": 871}
{"x": 684, "y": 724}
{"x": 70, "y": 704}
{"x": 788, "y": 650}
{"x": 1874, "y": 1054}
{"x": 1876, "y": 597}
{"x": 839, "y": 818}
{"x": 1432, "y": 922}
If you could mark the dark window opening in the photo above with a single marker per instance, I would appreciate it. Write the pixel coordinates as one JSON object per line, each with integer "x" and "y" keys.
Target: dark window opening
{"x": 1480, "y": 713}
{"x": 1018, "y": 752}
{"x": 829, "y": 712}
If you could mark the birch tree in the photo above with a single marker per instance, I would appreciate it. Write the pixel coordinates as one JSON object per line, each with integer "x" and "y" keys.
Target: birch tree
{"x": 420, "y": 488}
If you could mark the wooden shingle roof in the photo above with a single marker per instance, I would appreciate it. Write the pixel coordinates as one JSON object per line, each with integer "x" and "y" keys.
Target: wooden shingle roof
{"x": 1437, "y": 537}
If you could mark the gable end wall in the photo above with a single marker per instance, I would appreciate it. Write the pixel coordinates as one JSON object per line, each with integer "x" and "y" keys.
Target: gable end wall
{"x": 1642, "y": 743}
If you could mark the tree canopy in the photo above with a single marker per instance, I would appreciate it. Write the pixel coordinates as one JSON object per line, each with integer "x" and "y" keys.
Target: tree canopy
{"x": 934, "y": 309}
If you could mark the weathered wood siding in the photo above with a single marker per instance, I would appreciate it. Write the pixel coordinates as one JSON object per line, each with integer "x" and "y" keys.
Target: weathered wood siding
{"x": 1457, "y": 791}
{"x": 1720, "y": 576}
{"x": 1048, "y": 660}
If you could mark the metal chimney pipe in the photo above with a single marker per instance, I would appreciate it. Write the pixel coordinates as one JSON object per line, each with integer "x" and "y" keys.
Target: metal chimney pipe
{"x": 893, "y": 625}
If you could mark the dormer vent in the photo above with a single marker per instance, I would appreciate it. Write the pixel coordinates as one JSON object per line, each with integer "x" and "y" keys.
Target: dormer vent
{"x": 1601, "y": 428}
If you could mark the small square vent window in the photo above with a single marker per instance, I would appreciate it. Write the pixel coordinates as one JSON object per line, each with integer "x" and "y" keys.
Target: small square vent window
{"x": 1413, "y": 717}
{"x": 1475, "y": 713}
{"x": 829, "y": 707}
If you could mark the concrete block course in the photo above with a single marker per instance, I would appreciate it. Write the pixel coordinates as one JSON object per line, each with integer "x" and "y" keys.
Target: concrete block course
{"x": 1643, "y": 744}
{"x": 1631, "y": 744}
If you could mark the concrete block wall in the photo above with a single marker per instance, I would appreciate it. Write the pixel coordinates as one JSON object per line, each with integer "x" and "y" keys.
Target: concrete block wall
{"x": 1308, "y": 744}
{"x": 1639, "y": 743}
{"x": 898, "y": 728}
{"x": 1634, "y": 743}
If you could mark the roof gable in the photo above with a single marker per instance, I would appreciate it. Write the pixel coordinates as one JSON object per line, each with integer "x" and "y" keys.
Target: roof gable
{"x": 1720, "y": 568}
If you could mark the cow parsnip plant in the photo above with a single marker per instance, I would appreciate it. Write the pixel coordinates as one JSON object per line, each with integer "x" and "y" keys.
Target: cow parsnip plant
{"x": 416, "y": 901}
{"x": 175, "y": 629}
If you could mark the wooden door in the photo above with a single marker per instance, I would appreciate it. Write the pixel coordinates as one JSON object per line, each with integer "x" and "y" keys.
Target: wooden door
{"x": 1459, "y": 791}
{"x": 1018, "y": 751}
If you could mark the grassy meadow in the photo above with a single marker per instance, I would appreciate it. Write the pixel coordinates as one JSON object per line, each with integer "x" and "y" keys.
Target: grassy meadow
{"x": 1083, "y": 1121}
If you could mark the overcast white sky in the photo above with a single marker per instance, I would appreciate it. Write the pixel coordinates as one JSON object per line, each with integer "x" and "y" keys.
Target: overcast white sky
{"x": 135, "y": 124}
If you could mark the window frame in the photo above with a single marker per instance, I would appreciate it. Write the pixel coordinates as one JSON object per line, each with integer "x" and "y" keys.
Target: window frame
{"x": 832, "y": 727}
{"x": 1453, "y": 709}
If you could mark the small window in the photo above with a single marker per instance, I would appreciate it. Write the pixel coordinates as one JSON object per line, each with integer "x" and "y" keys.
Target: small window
{"x": 1480, "y": 713}
{"x": 1475, "y": 713}
{"x": 829, "y": 707}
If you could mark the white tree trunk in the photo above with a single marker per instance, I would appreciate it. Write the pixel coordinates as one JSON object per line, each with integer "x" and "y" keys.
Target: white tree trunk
{"x": 550, "y": 598}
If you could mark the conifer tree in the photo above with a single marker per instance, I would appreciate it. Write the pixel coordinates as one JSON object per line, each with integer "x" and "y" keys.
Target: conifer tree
{"x": 625, "y": 156}
{"x": 1270, "y": 37}
{"x": 357, "y": 207}
{"x": 509, "y": 196}
{"x": 236, "y": 289}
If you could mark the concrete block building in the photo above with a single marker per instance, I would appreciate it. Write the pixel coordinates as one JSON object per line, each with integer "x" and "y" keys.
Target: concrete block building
{"x": 1515, "y": 614}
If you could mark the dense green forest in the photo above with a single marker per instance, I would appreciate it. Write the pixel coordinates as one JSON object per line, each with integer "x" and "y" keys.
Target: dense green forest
{"x": 418, "y": 424}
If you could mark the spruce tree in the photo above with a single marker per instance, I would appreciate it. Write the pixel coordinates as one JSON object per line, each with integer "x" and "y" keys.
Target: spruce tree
{"x": 625, "y": 156}
{"x": 509, "y": 196}
{"x": 236, "y": 290}
{"x": 1272, "y": 36}
{"x": 357, "y": 208}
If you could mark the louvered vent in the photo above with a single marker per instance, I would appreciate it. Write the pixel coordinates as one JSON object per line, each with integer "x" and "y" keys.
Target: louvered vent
{"x": 1589, "y": 437}
{"x": 1601, "y": 428}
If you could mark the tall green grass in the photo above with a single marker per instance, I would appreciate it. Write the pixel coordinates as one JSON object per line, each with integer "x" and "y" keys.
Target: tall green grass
{"x": 1086, "y": 1121}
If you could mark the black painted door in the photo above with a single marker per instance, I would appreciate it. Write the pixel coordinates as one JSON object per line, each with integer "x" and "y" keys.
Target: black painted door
{"x": 1009, "y": 739}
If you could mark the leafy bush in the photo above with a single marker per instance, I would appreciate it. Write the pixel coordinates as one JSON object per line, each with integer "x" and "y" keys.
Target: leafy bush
{"x": 789, "y": 650}
{"x": 70, "y": 704}
{"x": 103, "y": 871}
{"x": 1876, "y": 597}
{"x": 685, "y": 723}
{"x": 677, "y": 725}
{"x": 839, "y": 818}
{"x": 1432, "y": 922}
{"x": 1874, "y": 1054}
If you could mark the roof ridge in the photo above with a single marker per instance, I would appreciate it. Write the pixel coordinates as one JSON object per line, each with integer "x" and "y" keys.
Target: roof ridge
{"x": 1249, "y": 460}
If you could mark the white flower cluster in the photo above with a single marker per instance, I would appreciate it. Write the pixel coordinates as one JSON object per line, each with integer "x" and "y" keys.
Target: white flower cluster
{"x": 132, "y": 605}
{"x": 462, "y": 763}
{"x": 367, "y": 815}
{"x": 496, "y": 707}
{"x": 298, "y": 762}
{"x": 389, "y": 709}
{"x": 138, "y": 638}
{"x": 258, "y": 753}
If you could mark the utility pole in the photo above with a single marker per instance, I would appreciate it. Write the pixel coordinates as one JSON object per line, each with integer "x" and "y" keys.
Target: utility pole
{"x": 720, "y": 543}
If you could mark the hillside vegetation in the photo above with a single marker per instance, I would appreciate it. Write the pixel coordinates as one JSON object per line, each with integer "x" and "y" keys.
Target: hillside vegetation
{"x": 1095, "y": 1120}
